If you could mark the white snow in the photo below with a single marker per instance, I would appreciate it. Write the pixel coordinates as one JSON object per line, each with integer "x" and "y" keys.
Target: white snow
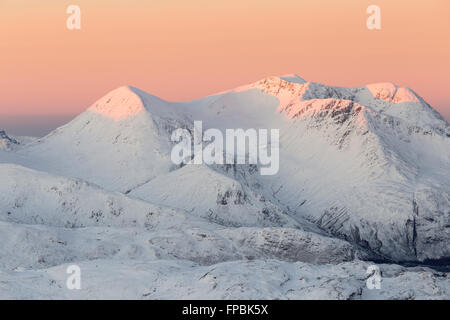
{"x": 364, "y": 174}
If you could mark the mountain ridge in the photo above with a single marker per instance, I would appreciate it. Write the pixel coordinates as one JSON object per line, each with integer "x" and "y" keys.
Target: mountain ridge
{"x": 371, "y": 142}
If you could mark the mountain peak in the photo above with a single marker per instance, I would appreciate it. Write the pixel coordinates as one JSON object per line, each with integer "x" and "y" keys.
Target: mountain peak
{"x": 390, "y": 92}
{"x": 4, "y": 135}
{"x": 119, "y": 104}
{"x": 292, "y": 77}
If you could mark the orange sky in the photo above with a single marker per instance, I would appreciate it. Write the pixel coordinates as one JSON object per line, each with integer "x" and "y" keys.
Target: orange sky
{"x": 180, "y": 50}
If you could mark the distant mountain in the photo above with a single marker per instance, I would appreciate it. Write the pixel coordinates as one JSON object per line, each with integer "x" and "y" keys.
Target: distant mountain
{"x": 10, "y": 143}
{"x": 7, "y": 143}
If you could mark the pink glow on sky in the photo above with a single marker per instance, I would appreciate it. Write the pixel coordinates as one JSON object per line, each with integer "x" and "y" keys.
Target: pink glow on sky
{"x": 181, "y": 50}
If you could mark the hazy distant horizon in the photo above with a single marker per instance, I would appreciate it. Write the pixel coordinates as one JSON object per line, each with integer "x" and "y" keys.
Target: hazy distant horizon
{"x": 33, "y": 125}
{"x": 37, "y": 125}
{"x": 181, "y": 50}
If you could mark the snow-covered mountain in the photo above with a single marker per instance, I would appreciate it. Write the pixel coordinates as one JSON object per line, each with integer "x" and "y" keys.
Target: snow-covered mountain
{"x": 364, "y": 174}
{"x": 7, "y": 143}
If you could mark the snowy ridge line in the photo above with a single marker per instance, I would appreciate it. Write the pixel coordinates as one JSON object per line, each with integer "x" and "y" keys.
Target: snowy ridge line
{"x": 364, "y": 175}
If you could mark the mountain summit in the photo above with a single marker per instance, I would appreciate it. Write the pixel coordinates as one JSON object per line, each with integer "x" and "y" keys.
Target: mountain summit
{"x": 119, "y": 104}
{"x": 7, "y": 143}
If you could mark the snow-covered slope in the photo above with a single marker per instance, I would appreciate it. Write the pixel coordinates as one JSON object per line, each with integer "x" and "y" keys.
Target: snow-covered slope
{"x": 361, "y": 164}
{"x": 32, "y": 197}
{"x": 364, "y": 174}
{"x": 54, "y": 218}
{"x": 207, "y": 193}
{"x": 7, "y": 143}
{"x": 120, "y": 142}
{"x": 258, "y": 279}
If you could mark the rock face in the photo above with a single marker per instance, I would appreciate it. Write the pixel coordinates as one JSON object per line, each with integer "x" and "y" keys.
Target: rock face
{"x": 7, "y": 143}
{"x": 364, "y": 174}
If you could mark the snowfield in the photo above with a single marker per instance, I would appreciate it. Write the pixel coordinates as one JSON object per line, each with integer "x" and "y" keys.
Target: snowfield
{"x": 364, "y": 176}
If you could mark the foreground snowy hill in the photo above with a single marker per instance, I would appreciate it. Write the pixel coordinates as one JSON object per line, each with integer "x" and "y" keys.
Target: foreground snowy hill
{"x": 258, "y": 279}
{"x": 364, "y": 174}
